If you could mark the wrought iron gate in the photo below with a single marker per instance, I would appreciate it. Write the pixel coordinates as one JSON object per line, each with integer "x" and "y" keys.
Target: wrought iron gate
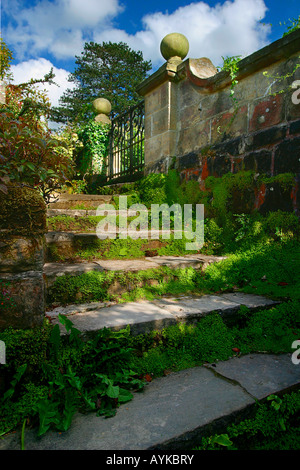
{"x": 126, "y": 146}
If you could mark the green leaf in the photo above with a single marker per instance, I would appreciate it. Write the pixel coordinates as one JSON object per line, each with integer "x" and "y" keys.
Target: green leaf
{"x": 73, "y": 380}
{"x": 55, "y": 339}
{"x": 124, "y": 395}
{"x": 113, "y": 391}
{"x": 65, "y": 321}
{"x": 70, "y": 409}
{"x": 89, "y": 400}
{"x": 31, "y": 166}
{"x": 16, "y": 378}
{"x": 48, "y": 415}
{"x": 222, "y": 440}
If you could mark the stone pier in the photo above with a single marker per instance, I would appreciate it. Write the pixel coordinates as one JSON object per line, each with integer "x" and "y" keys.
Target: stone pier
{"x": 22, "y": 229}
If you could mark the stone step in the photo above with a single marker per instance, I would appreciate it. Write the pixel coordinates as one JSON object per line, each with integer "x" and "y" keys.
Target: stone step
{"x": 87, "y": 212}
{"x": 63, "y": 245}
{"x": 173, "y": 412}
{"x": 69, "y": 201}
{"x": 145, "y": 316}
{"x": 197, "y": 261}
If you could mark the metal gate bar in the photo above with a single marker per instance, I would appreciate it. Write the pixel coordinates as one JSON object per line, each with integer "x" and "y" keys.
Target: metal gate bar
{"x": 126, "y": 145}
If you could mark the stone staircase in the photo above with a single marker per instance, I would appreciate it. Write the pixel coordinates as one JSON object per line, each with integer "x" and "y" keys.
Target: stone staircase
{"x": 176, "y": 410}
{"x": 142, "y": 316}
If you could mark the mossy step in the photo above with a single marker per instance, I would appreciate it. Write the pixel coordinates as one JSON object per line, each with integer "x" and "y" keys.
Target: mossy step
{"x": 145, "y": 316}
{"x": 76, "y": 246}
{"x": 86, "y": 212}
{"x": 69, "y": 201}
{"x": 197, "y": 261}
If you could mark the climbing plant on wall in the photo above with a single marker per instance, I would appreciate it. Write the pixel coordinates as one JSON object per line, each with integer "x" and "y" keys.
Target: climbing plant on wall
{"x": 94, "y": 137}
{"x": 230, "y": 64}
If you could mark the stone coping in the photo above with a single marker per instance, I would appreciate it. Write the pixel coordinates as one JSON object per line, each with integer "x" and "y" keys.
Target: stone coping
{"x": 274, "y": 52}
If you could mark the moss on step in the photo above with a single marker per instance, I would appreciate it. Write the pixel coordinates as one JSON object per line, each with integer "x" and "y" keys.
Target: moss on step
{"x": 122, "y": 286}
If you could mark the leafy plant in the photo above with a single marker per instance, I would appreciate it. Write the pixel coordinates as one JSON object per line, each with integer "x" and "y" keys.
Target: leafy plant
{"x": 230, "y": 64}
{"x": 78, "y": 376}
{"x": 293, "y": 25}
{"x": 94, "y": 137}
{"x": 27, "y": 147}
{"x": 265, "y": 429}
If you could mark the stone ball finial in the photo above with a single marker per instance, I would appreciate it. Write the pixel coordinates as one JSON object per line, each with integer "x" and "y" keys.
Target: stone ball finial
{"x": 103, "y": 107}
{"x": 174, "y": 46}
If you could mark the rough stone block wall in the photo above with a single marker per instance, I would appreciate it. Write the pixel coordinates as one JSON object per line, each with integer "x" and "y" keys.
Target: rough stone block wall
{"x": 22, "y": 228}
{"x": 195, "y": 125}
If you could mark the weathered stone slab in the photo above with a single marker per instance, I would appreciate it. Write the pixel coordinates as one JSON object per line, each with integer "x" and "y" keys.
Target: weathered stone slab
{"x": 53, "y": 270}
{"x": 67, "y": 201}
{"x": 174, "y": 411}
{"x": 88, "y": 212}
{"x": 197, "y": 307}
{"x": 141, "y": 316}
{"x": 261, "y": 374}
{"x": 171, "y": 412}
{"x": 249, "y": 300}
{"x": 145, "y": 315}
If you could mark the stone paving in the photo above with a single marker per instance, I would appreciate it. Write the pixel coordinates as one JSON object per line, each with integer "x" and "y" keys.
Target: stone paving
{"x": 173, "y": 412}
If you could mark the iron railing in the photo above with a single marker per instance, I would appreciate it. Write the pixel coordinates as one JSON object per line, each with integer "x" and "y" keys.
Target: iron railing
{"x": 126, "y": 145}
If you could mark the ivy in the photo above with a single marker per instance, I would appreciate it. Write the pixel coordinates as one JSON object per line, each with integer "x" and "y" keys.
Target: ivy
{"x": 95, "y": 139}
{"x": 230, "y": 64}
{"x": 293, "y": 26}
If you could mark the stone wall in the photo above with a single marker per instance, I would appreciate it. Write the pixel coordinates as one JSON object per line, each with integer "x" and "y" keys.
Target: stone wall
{"x": 193, "y": 123}
{"x": 22, "y": 229}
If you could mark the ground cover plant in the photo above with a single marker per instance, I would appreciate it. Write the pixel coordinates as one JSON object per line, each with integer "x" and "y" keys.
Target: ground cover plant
{"x": 274, "y": 425}
{"x": 48, "y": 378}
{"x": 70, "y": 375}
{"x": 266, "y": 269}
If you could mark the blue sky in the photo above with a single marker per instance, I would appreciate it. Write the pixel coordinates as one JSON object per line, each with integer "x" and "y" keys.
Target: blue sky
{"x": 49, "y": 33}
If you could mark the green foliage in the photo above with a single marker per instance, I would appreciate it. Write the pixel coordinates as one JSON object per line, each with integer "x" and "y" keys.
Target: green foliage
{"x": 73, "y": 376}
{"x": 273, "y": 332}
{"x": 92, "y": 157}
{"x": 285, "y": 180}
{"x": 230, "y": 64}
{"x": 78, "y": 186}
{"x": 122, "y": 189}
{"x": 95, "y": 286}
{"x": 274, "y": 425}
{"x": 5, "y": 60}
{"x": 268, "y": 269}
{"x": 28, "y": 149}
{"x": 151, "y": 189}
{"x": 212, "y": 339}
{"x": 293, "y": 26}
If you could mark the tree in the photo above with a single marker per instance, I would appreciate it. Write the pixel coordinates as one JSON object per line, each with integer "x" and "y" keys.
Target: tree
{"x": 5, "y": 60}
{"x": 108, "y": 70}
{"x": 29, "y": 155}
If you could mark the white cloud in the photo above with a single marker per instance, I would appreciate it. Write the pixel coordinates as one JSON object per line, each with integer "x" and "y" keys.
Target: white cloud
{"x": 61, "y": 27}
{"x": 56, "y": 27}
{"x": 37, "y": 68}
{"x": 231, "y": 28}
